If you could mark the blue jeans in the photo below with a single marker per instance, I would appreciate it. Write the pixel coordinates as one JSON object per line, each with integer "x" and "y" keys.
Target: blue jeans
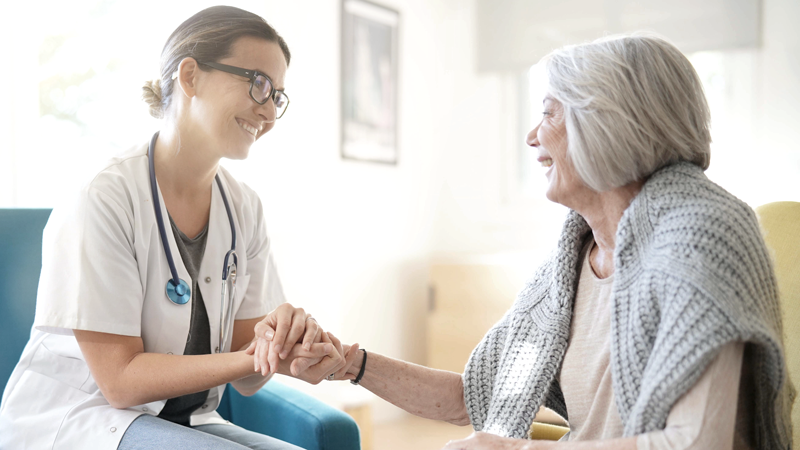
{"x": 149, "y": 432}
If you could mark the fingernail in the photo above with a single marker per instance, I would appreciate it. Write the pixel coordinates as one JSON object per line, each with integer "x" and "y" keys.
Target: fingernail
{"x": 327, "y": 348}
{"x": 277, "y": 348}
{"x": 284, "y": 354}
{"x": 269, "y": 333}
{"x": 307, "y": 346}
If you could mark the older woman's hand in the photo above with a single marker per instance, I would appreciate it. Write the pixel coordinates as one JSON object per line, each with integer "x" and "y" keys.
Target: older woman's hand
{"x": 350, "y": 353}
{"x": 277, "y": 334}
{"x": 322, "y": 361}
{"x": 331, "y": 367}
{"x": 486, "y": 441}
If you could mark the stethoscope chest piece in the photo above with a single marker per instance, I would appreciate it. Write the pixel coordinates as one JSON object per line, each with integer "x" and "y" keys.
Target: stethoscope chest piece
{"x": 179, "y": 294}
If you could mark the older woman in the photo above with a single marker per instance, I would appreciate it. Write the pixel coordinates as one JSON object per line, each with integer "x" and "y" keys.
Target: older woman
{"x": 655, "y": 324}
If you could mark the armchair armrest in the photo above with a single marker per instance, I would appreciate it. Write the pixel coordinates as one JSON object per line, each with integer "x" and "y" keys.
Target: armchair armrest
{"x": 548, "y": 425}
{"x": 292, "y": 416}
{"x": 547, "y": 432}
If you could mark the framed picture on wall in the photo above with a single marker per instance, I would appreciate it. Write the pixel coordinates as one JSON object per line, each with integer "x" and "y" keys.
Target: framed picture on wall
{"x": 369, "y": 82}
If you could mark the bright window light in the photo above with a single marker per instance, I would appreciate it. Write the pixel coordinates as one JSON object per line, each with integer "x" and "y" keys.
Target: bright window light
{"x": 78, "y": 70}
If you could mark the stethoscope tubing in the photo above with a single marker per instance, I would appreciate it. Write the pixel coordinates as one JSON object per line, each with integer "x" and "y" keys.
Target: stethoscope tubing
{"x": 157, "y": 206}
{"x": 175, "y": 280}
{"x": 233, "y": 232}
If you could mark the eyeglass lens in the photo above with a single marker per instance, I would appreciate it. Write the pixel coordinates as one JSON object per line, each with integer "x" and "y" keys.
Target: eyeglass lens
{"x": 261, "y": 90}
{"x": 281, "y": 102}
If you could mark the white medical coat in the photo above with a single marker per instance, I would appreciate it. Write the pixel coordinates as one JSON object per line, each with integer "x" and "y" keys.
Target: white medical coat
{"x": 104, "y": 269}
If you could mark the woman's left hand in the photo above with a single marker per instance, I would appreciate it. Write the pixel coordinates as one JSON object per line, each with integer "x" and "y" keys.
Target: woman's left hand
{"x": 486, "y": 441}
{"x": 278, "y": 332}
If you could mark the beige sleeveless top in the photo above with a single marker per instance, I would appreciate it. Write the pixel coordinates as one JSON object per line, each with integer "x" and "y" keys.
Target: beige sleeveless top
{"x": 704, "y": 418}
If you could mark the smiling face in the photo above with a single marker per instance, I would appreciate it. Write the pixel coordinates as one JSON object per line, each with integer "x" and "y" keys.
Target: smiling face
{"x": 550, "y": 139}
{"x": 223, "y": 112}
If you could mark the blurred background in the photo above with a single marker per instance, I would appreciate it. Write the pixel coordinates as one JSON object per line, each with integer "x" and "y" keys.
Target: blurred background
{"x": 418, "y": 259}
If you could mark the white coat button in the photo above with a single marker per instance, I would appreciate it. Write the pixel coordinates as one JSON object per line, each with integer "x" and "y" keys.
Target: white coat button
{"x": 144, "y": 409}
{"x": 208, "y": 279}
{"x": 169, "y": 353}
{"x": 113, "y": 429}
{"x": 205, "y": 406}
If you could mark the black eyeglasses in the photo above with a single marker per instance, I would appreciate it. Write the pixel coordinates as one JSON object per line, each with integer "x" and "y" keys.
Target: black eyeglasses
{"x": 261, "y": 87}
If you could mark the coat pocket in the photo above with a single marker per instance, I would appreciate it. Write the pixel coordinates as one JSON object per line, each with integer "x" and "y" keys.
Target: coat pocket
{"x": 35, "y": 409}
{"x": 59, "y": 358}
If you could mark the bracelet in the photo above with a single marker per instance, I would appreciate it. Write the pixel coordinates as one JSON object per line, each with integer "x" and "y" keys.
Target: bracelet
{"x": 361, "y": 372}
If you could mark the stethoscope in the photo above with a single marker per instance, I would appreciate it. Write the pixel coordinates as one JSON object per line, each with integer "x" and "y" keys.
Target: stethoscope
{"x": 178, "y": 291}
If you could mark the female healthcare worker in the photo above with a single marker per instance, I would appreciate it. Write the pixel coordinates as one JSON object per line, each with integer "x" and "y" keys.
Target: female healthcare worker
{"x": 136, "y": 332}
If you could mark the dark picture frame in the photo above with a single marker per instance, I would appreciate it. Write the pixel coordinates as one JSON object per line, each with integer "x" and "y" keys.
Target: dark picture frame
{"x": 369, "y": 82}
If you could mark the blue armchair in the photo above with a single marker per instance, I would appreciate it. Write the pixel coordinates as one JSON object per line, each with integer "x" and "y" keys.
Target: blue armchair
{"x": 276, "y": 410}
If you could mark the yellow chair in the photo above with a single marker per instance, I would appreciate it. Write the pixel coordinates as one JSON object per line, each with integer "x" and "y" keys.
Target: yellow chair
{"x": 548, "y": 426}
{"x": 780, "y": 224}
{"x": 547, "y": 432}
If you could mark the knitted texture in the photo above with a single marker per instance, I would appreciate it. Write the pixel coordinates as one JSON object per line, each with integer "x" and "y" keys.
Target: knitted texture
{"x": 692, "y": 273}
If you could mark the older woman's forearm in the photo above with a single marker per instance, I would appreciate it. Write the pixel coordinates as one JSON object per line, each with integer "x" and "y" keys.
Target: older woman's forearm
{"x": 487, "y": 441}
{"x": 422, "y": 391}
{"x": 627, "y": 443}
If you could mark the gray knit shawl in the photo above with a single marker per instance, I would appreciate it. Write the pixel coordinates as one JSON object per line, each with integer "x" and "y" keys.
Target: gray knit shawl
{"x": 692, "y": 273}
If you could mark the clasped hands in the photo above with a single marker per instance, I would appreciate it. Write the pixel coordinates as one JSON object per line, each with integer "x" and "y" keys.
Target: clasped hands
{"x": 290, "y": 342}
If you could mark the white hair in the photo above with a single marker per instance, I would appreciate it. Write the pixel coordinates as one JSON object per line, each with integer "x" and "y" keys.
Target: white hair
{"x": 632, "y": 105}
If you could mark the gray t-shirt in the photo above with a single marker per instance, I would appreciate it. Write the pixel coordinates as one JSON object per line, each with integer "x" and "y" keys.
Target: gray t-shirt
{"x": 179, "y": 409}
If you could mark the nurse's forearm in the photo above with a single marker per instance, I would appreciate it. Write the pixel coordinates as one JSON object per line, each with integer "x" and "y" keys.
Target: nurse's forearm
{"x": 422, "y": 391}
{"x": 127, "y": 376}
{"x": 249, "y": 385}
{"x": 154, "y": 376}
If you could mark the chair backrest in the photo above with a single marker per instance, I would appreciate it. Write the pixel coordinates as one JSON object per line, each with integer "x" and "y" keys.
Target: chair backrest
{"x": 780, "y": 223}
{"x": 20, "y": 265}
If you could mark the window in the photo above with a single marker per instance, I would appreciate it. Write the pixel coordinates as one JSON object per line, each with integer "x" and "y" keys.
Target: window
{"x": 77, "y": 69}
